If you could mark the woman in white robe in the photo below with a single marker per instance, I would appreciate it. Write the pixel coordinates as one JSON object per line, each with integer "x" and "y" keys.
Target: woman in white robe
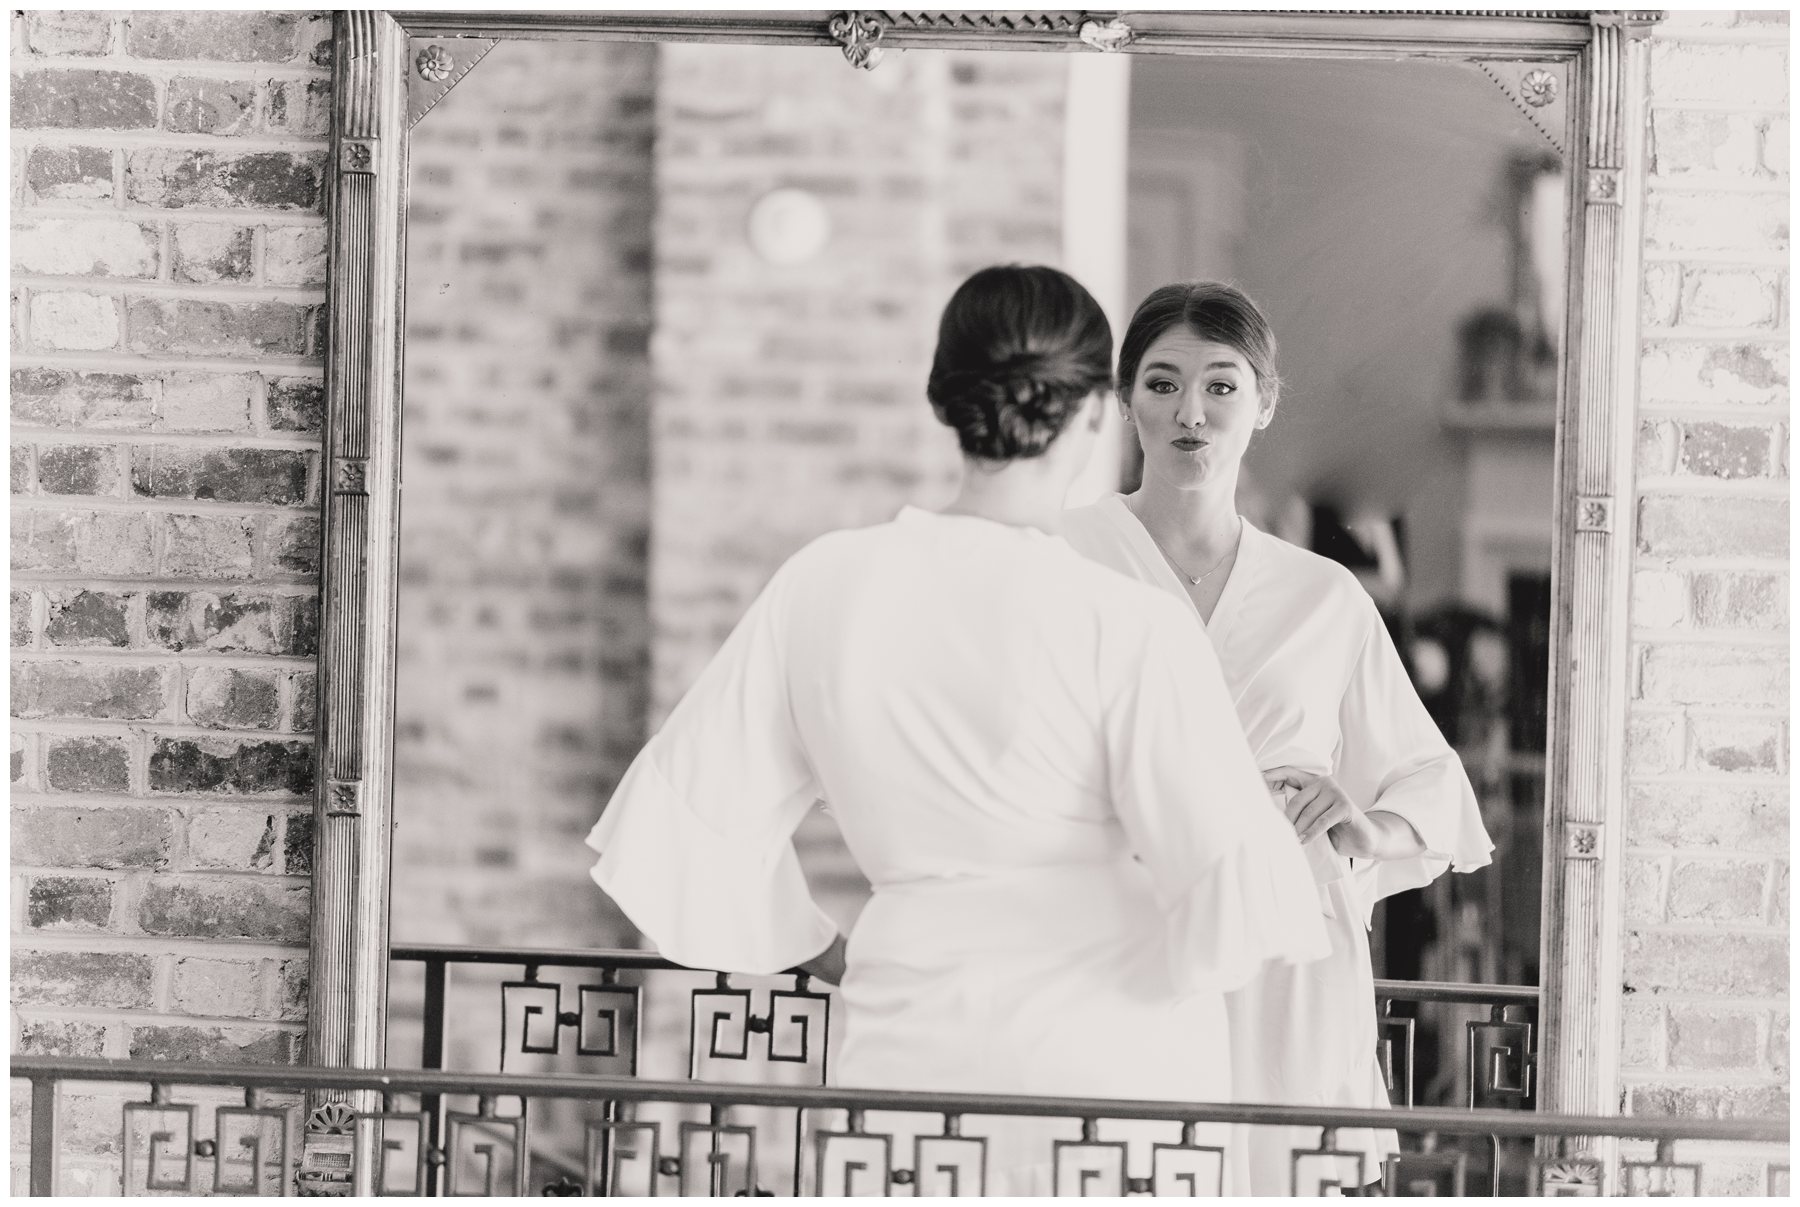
{"x": 1008, "y": 736}
{"x": 1378, "y": 798}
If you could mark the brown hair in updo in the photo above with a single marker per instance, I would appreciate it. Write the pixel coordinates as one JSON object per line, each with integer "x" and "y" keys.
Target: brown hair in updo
{"x": 1019, "y": 349}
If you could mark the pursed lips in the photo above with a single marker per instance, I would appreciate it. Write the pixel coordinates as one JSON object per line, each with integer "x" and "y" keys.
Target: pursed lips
{"x": 1188, "y": 444}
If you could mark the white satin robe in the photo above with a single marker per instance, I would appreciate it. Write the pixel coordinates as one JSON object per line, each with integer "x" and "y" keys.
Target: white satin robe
{"x": 1318, "y": 685}
{"x": 1035, "y": 763}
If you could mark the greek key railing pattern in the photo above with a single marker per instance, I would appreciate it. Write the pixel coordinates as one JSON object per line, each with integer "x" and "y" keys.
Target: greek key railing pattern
{"x": 592, "y": 1008}
{"x": 645, "y": 1137}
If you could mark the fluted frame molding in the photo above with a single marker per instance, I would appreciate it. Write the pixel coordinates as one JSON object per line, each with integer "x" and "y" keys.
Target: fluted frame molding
{"x": 391, "y": 68}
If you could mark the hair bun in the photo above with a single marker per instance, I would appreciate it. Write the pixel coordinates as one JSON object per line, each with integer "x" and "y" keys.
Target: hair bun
{"x": 1019, "y": 349}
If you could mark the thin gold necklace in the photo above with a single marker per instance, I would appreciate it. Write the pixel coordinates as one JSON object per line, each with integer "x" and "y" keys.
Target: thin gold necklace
{"x": 1179, "y": 568}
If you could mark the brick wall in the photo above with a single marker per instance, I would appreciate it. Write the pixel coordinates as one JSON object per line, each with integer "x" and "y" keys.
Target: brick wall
{"x": 524, "y": 630}
{"x": 167, "y": 278}
{"x": 1706, "y": 909}
{"x": 791, "y": 398}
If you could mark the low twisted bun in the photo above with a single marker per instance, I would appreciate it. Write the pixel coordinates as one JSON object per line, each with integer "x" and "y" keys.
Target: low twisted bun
{"x": 1019, "y": 349}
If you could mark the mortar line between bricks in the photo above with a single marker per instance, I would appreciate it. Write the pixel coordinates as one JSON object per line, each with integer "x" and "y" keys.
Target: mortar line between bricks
{"x": 132, "y": 288}
{"x": 1744, "y": 259}
{"x": 1754, "y": 186}
{"x": 135, "y": 585}
{"x": 140, "y": 211}
{"x": 111, "y": 656}
{"x": 163, "y": 140}
{"x": 105, "y": 360}
{"x": 1717, "y": 334}
{"x": 167, "y": 1017}
{"x": 150, "y": 505}
{"x": 1743, "y": 488}
{"x": 102, "y": 943}
{"x": 1762, "y": 639}
{"x": 1736, "y": 335}
{"x": 1743, "y": 412}
{"x": 274, "y": 441}
{"x": 109, "y": 727}
{"x": 168, "y": 70}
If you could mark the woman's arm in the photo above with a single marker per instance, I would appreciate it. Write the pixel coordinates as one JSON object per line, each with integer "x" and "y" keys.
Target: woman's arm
{"x": 1319, "y": 805}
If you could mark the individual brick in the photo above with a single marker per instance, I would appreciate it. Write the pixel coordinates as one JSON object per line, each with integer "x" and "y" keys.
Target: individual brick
{"x": 74, "y": 764}
{"x": 1725, "y": 451}
{"x": 207, "y": 546}
{"x": 206, "y": 253}
{"x": 1730, "y": 297}
{"x": 231, "y": 1045}
{"x": 1646, "y": 887}
{"x": 184, "y": 326}
{"x": 69, "y": 903}
{"x": 24, "y": 626}
{"x": 101, "y": 544}
{"x": 295, "y": 984}
{"x": 74, "y": 322}
{"x": 22, "y": 462}
{"x": 298, "y": 107}
{"x": 208, "y": 106}
{"x": 228, "y": 37}
{"x": 1736, "y": 744}
{"x": 1687, "y": 142}
{"x": 1748, "y": 223}
{"x": 230, "y": 767}
{"x": 295, "y": 256}
{"x": 78, "y": 469}
{"x": 1745, "y": 74}
{"x": 1708, "y": 1101}
{"x": 235, "y": 475}
{"x": 69, "y": 174}
{"x": 1714, "y": 674}
{"x": 239, "y": 840}
{"x": 1717, "y": 890}
{"x": 1714, "y": 962}
{"x": 303, "y": 705}
{"x": 236, "y": 907}
{"x": 205, "y": 402}
{"x": 96, "y": 980}
{"x": 66, "y": 32}
{"x": 1714, "y": 373}
{"x": 234, "y": 622}
{"x": 1735, "y": 816}
{"x": 83, "y": 99}
{"x": 229, "y": 698}
{"x": 292, "y": 543}
{"x": 176, "y": 178}
{"x": 297, "y": 845}
{"x": 82, "y": 619}
{"x": 216, "y": 988}
{"x": 79, "y": 689}
{"x": 61, "y": 1037}
{"x": 1711, "y": 1038}
{"x": 1712, "y": 526}
{"x": 67, "y": 398}
{"x": 86, "y": 247}
{"x": 133, "y": 836}
{"x": 296, "y": 404}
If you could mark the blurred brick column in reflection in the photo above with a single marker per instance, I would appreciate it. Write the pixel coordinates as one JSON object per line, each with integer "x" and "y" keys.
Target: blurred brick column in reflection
{"x": 523, "y": 632}
{"x": 1706, "y": 905}
{"x": 790, "y": 398}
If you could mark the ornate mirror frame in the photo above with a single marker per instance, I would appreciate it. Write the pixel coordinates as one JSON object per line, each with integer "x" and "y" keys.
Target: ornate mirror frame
{"x": 1580, "y": 76}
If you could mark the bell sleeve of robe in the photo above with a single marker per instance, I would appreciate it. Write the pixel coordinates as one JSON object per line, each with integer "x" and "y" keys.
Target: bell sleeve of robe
{"x": 1234, "y": 888}
{"x": 1393, "y": 757}
{"x": 696, "y": 844}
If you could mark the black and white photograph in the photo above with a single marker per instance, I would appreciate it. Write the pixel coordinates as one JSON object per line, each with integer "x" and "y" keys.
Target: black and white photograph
{"x": 736, "y": 603}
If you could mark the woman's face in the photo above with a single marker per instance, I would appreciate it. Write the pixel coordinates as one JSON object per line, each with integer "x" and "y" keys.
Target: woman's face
{"x": 1195, "y": 404}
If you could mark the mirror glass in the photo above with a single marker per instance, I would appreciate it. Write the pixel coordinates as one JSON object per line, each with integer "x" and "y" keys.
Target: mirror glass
{"x": 669, "y": 314}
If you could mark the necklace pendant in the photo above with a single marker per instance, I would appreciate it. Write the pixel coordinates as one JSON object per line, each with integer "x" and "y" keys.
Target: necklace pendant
{"x": 1198, "y": 581}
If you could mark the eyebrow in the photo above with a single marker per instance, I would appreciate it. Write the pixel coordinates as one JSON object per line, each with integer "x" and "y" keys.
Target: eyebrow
{"x": 1165, "y": 365}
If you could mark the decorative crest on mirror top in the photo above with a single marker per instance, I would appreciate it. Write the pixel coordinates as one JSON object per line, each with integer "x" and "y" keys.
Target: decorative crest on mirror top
{"x": 1577, "y": 76}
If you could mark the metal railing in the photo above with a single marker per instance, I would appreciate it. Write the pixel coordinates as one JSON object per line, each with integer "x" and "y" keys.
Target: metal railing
{"x": 645, "y": 1136}
{"x": 611, "y": 1012}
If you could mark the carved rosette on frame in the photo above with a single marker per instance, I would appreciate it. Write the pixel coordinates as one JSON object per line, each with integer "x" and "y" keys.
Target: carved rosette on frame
{"x": 347, "y": 1006}
{"x": 1579, "y": 1060}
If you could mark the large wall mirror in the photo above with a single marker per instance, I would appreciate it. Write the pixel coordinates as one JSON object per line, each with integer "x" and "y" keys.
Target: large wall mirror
{"x": 636, "y": 306}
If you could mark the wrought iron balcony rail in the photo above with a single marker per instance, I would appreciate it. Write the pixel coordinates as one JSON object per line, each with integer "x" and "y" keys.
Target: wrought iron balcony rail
{"x": 373, "y": 1142}
{"x": 793, "y": 1025}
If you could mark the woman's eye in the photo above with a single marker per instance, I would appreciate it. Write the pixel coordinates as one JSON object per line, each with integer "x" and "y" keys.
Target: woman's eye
{"x": 1221, "y": 387}
{"x": 1162, "y": 385}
